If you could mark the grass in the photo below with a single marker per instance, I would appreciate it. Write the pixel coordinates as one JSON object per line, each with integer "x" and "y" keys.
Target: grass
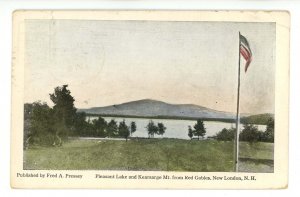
{"x": 256, "y": 157}
{"x": 257, "y": 150}
{"x": 142, "y": 154}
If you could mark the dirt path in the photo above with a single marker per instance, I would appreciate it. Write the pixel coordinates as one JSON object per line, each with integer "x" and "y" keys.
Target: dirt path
{"x": 256, "y": 165}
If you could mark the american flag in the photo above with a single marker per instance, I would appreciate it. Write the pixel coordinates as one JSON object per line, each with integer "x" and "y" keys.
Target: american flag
{"x": 245, "y": 51}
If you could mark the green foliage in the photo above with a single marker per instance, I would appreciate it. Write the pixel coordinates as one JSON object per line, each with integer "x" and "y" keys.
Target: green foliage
{"x": 99, "y": 126}
{"x": 64, "y": 110}
{"x": 161, "y": 128}
{"x": 225, "y": 134}
{"x": 49, "y": 126}
{"x": 124, "y": 130}
{"x": 112, "y": 128}
{"x": 250, "y": 133}
{"x": 191, "y": 132}
{"x": 42, "y": 130}
{"x": 268, "y": 135}
{"x": 80, "y": 125}
{"x": 199, "y": 129}
{"x": 28, "y": 108}
{"x": 132, "y": 127}
{"x": 152, "y": 129}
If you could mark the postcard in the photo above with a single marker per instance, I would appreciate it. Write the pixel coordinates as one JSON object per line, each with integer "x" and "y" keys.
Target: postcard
{"x": 150, "y": 99}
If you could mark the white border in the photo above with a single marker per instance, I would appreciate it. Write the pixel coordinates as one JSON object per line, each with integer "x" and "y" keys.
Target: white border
{"x": 278, "y": 179}
{"x": 6, "y": 8}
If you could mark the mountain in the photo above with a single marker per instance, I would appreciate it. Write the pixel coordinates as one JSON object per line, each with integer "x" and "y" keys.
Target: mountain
{"x": 158, "y": 109}
{"x": 257, "y": 119}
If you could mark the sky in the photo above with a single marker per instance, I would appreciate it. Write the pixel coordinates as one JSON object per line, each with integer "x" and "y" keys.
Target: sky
{"x": 112, "y": 62}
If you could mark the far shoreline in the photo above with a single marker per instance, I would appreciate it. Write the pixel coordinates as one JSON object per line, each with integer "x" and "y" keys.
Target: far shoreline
{"x": 225, "y": 120}
{"x": 162, "y": 117}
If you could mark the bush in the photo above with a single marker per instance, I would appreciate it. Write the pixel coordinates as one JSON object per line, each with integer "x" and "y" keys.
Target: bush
{"x": 269, "y": 133}
{"x": 225, "y": 134}
{"x": 41, "y": 129}
{"x": 250, "y": 133}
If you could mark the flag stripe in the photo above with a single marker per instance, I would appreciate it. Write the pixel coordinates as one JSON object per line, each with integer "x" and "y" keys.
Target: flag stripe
{"x": 245, "y": 51}
{"x": 246, "y": 54}
{"x": 246, "y": 47}
{"x": 247, "y": 64}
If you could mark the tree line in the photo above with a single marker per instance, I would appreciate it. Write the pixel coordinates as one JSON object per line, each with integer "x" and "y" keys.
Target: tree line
{"x": 45, "y": 125}
{"x": 250, "y": 133}
{"x": 99, "y": 127}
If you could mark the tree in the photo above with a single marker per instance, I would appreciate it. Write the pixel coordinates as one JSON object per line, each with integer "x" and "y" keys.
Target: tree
{"x": 42, "y": 129}
{"x": 124, "y": 130}
{"x": 152, "y": 129}
{"x": 199, "y": 129}
{"x": 250, "y": 133}
{"x": 161, "y": 129}
{"x": 269, "y": 133}
{"x": 190, "y": 133}
{"x": 112, "y": 128}
{"x": 80, "y": 124}
{"x": 225, "y": 134}
{"x": 64, "y": 112}
{"x": 28, "y": 108}
{"x": 99, "y": 127}
{"x": 132, "y": 127}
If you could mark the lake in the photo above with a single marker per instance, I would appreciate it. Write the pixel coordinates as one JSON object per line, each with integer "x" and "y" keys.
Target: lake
{"x": 175, "y": 128}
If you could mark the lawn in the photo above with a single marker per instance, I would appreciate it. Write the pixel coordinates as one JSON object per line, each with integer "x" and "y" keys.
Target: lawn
{"x": 256, "y": 157}
{"x": 146, "y": 154}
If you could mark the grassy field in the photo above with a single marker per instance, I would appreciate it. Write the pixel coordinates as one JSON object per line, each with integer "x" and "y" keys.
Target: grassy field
{"x": 256, "y": 157}
{"x": 149, "y": 154}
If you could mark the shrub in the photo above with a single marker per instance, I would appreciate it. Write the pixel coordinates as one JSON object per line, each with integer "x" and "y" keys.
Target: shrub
{"x": 250, "y": 133}
{"x": 225, "y": 134}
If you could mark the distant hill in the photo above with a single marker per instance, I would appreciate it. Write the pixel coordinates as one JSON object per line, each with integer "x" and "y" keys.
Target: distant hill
{"x": 159, "y": 109}
{"x": 257, "y": 119}
{"x": 148, "y": 108}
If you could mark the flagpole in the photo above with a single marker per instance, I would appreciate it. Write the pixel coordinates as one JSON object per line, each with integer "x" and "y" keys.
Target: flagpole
{"x": 236, "y": 144}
